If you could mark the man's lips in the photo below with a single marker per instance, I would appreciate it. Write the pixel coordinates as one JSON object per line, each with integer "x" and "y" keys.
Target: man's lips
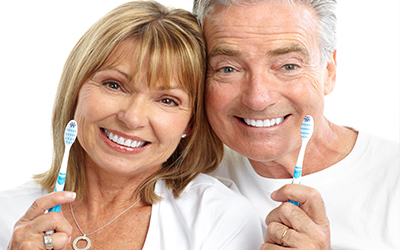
{"x": 263, "y": 123}
{"x": 124, "y": 142}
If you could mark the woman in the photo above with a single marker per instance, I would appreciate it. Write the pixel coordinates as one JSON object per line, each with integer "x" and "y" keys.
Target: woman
{"x": 134, "y": 84}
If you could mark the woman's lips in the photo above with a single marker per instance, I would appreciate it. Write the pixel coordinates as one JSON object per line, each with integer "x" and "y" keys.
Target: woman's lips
{"x": 124, "y": 142}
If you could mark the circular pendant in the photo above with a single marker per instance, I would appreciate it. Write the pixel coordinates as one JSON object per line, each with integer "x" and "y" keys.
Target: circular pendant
{"x": 88, "y": 243}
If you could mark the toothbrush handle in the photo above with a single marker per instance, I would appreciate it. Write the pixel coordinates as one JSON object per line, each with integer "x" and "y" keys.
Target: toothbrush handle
{"x": 297, "y": 175}
{"x": 296, "y": 180}
{"x": 61, "y": 179}
{"x": 296, "y": 203}
{"x": 59, "y": 187}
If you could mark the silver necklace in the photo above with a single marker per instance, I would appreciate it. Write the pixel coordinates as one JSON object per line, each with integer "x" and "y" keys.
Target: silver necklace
{"x": 85, "y": 236}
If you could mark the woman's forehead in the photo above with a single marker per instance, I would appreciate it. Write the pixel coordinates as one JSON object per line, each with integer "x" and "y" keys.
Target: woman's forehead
{"x": 138, "y": 65}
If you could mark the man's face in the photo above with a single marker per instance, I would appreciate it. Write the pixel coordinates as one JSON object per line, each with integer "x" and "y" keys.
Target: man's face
{"x": 264, "y": 76}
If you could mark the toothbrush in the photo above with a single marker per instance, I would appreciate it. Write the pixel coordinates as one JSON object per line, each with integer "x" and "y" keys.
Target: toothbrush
{"x": 306, "y": 131}
{"x": 69, "y": 137}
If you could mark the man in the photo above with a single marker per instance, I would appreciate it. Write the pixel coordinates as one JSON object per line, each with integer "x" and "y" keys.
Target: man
{"x": 270, "y": 64}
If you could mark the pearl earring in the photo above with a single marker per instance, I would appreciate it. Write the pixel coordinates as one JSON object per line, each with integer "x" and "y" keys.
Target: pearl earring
{"x": 183, "y": 135}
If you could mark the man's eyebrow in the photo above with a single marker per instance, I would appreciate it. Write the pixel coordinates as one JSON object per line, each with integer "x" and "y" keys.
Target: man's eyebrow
{"x": 218, "y": 51}
{"x": 289, "y": 49}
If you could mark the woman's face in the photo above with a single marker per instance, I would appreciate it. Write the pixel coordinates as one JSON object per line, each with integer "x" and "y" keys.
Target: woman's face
{"x": 126, "y": 127}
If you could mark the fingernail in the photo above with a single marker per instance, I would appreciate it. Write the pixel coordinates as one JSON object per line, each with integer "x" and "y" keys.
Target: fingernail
{"x": 70, "y": 195}
{"x": 69, "y": 240}
{"x": 273, "y": 195}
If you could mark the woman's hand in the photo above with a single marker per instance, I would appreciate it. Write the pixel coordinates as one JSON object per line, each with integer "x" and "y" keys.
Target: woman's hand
{"x": 29, "y": 230}
{"x": 304, "y": 227}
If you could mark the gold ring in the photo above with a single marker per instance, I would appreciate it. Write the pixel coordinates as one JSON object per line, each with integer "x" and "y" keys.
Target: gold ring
{"x": 283, "y": 235}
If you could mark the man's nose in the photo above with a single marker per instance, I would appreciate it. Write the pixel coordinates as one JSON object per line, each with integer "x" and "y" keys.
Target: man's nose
{"x": 259, "y": 91}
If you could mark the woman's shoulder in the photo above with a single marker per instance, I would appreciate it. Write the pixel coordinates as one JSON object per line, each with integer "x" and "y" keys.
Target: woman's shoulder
{"x": 13, "y": 205}
{"x": 18, "y": 199}
{"x": 210, "y": 213}
{"x": 209, "y": 190}
{"x": 205, "y": 190}
{"x": 27, "y": 189}
{"x": 207, "y": 183}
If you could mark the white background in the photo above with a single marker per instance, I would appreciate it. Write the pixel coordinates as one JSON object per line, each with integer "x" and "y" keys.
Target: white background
{"x": 37, "y": 36}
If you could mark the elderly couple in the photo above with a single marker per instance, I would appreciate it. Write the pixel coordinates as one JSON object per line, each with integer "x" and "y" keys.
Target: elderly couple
{"x": 141, "y": 172}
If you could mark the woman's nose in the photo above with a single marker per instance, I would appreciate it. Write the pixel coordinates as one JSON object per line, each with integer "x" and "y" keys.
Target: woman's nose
{"x": 134, "y": 112}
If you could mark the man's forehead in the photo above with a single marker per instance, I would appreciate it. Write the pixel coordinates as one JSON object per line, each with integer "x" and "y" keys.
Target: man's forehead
{"x": 277, "y": 32}
{"x": 258, "y": 12}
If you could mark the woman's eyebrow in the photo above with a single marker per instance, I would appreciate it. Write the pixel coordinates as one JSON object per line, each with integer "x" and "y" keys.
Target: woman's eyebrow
{"x": 126, "y": 75}
{"x": 172, "y": 87}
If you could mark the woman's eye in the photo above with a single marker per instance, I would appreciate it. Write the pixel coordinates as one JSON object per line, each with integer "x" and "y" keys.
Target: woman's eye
{"x": 169, "y": 102}
{"x": 112, "y": 85}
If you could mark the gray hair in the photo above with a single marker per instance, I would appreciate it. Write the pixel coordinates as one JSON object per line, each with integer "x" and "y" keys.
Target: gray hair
{"x": 325, "y": 10}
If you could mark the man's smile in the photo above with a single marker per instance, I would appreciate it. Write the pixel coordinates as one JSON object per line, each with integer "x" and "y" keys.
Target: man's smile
{"x": 263, "y": 123}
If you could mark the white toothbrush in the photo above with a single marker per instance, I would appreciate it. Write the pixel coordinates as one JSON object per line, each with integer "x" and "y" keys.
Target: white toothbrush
{"x": 306, "y": 131}
{"x": 70, "y": 134}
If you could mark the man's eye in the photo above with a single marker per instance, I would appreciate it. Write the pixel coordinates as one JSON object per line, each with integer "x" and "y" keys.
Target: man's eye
{"x": 290, "y": 67}
{"x": 226, "y": 70}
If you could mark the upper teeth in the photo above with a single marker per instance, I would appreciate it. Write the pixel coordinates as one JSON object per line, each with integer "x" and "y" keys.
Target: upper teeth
{"x": 264, "y": 123}
{"x": 122, "y": 141}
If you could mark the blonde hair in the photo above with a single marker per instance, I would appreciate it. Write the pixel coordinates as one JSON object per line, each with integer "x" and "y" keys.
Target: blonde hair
{"x": 162, "y": 36}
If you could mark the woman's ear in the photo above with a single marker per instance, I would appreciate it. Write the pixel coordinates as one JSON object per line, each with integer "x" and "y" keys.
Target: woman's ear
{"x": 187, "y": 131}
{"x": 330, "y": 76}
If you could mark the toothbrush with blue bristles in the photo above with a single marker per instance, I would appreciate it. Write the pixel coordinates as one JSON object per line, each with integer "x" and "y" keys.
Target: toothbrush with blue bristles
{"x": 306, "y": 131}
{"x": 70, "y": 134}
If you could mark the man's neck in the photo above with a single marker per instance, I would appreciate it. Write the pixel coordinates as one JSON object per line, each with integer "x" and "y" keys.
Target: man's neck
{"x": 329, "y": 146}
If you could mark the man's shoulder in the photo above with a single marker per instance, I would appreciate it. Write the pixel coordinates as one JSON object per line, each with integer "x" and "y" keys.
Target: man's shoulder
{"x": 376, "y": 145}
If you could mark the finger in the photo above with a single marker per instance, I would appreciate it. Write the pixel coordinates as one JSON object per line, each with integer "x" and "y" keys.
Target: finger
{"x": 41, "y": 204}
{"x": 305, "y": 233}
{"x": 50, "y": 222}
{"x": 59, "y": 240}
{"x": 280, "y": 234}
{"x": 310, "y": 199}
{"x": 274, "y": 233}
{"x": 290, "y": 216}
{"x": 271, "y": 246}
{"x": 24, "y": 238}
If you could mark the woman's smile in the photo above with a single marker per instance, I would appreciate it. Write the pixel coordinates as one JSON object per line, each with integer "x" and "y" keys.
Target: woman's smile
{"x": 119, "y": 144}
{"x": 132, "y": 143}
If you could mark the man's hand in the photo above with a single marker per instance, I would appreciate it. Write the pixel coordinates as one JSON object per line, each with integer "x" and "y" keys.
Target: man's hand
{"x": 304, "y": 227}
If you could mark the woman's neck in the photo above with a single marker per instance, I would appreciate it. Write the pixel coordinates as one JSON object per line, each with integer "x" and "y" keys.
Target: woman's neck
{"x": 107, "y": 191}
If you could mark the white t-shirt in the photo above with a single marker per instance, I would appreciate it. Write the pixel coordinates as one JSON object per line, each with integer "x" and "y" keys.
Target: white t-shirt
{"x": 361, "y": 193}
{"x": 206, "y": 216}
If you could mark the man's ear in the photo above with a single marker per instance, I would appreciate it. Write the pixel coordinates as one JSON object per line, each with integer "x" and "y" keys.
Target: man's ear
{"x": 330, "y": 76}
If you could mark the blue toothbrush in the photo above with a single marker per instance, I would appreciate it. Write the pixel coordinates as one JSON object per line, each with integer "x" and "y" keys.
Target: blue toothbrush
{"x": 70, "y": 134}
{"x": 306, "y": 131}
